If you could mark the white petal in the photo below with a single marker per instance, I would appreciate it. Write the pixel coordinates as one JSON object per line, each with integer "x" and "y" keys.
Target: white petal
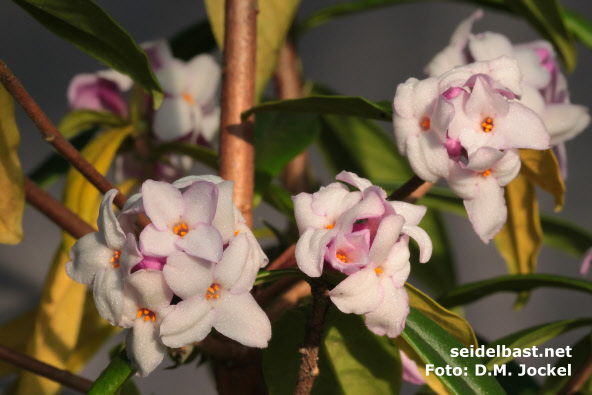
{"x": 353, "y": 179}
{"x": 159, "y": 54}
{"x": 487, "y": 211}
{"x": 88, "y": 255}
{"x": 143, "y": 347}
{"x": 427, "y": 156}
{"x": 130, "y": 256}
{"x": 107, "y": 223}
{"x": 232, "y": 264}
{"x": 188, "y": 276}
{"x": 204, "y": 78}
{"x": 155, "y": 243}
{"x": 371, "y": 206}
{"x": 210, "y": 123}
{"x": 533, "y": 133}
{"x": 201, "y": 199}
{"x": 184, "y": 182}
{"x": 507, "y": 168}
{"x": 173, "y": 119}
{"x": 240, "y": 318}
{"x": 397, "y": 265}
{"x": 173, "y": 77}
{"x": 484, "y": 158}
{"x": 150, "y": 289}
{"x": 386, "y": 236}
{"x": 202, "y": 242}
{"x": 163, "y": 203}
{"x": 413, "y": 213}
{"x": 190, "y": 321}
{"x": 359, "y": 293}
{"x": 423, "y": 241}
{"x": 463, "y": 182}
{"x": 224, "y": 220}
{"x": 565, "y": 121}
{"x": 488, "y": 45}
{"x": 305, "y": 216}
{"x": 310, "y": 250}
{"x": 534, "y": 72}
{"x": 108, "y": 294}
{"x": 333, "y": 200}
{"x": 389, "y": 318}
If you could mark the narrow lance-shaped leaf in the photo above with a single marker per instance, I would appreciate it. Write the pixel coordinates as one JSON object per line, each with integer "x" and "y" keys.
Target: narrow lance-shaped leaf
{"x": 535, "y": 336}
{"x": 579, "y": 26}
{"x": 541, "y": 168}
{"x": 12, "y": 198}
{"x": 469, "y": 293}
{"x": 82, "y": 120}
{"x": 521, "y": 238}
{"x": 88, "y": 27}
{"x": 273, "y": 22}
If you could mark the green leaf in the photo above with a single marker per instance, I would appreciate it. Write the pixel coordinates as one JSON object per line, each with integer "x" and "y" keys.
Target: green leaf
{"x": 352, "y": 360}
{"x": 274, "y": 19}
{"x": 541, "y": 168}
{"x": 194, "y": 40}
{"x": 198, "y": 153}
{"x": 353, "y": 106}
{"x": 521, "y": 237}
{"x": 12, "y": 198}
{"x": 80, "y": 121}
{"x": 545, "y": 16}
{"x": 535, "y": 336}
{"x": 88, "y": 27}
{"x": 580, "y": 352}
{"x": 472, "y": 292}
{"x": 579, "y": 26}
{"x": 281, "y": 199}
{"x": 267, "y": 276}
{"x": 114, "y": 376}
{"x": 433, "y": 345}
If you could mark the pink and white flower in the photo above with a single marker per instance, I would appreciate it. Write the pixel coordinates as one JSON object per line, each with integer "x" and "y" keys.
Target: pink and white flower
{"x": 101, "y": 91}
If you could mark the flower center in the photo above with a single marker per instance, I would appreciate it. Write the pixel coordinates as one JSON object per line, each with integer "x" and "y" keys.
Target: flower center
{"x": 236, "y": 232}
{"x": 486, "y": 173}
{"x": 115, "y": 259}
{"x": 181, "y": 229}
{"x": 487, "y": 125}
{"x": 425, "y": 124}
{"x": 147, "y": 314}
{"x": 188, "y": 98}
{"x": 213, "y": 291}
{"x": 378, "y": 270}
{"x": 341, "y": 257}
{"x": 330, "y": 226}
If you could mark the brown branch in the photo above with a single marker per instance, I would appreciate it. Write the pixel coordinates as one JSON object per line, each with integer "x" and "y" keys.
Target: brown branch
{"x": 50, "y": 134}
{"x": 56, "y": 211}
{"x": 288, "y": 85}
{"x": 285, "y": 260}
{"x": 238, "y": 95}
{"x": 63, "y": 377}
{"x": 411, "y": 191}
{"x": 309, "y": 352}
{"x": 577, "y": 380}
{"x": 291, "y": 292}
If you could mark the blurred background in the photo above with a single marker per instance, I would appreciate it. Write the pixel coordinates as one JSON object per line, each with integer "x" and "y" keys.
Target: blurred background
{"x": 364, "y": 55}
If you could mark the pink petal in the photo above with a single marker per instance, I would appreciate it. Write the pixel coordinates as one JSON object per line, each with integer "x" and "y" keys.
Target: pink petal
{"x": 310, "y": 250}
{"x": 190, "y": 321}
{"x": 188, "y": 276}
{"x": 108, "y": 294}
{"x": 397, "y": 265}
{"x": 201, "y": 199}
{"x": 359, "y": 293}
{"x": 163, "y": 203}
{"x": 149, "y": 289}
{"x": 428, "y": 156}
{"x": 386, "y": 236}
{"x": 463, "y": 182}
{"x": 389, "y": 317}
{"x": 333, "y": 200}
{"x": 202, "y": 242}
{"x": 533, "y": 133}
{"x": 232, "y": 263}
{"x": 412, "y": 213}
{"x": 484, "y": 159}
{"x": 143, "y": 347}
{"x": 353, "y": 179}
{"x": 423, "y": 241}
{"x": 507, "y": 168}
{"x": 411, "y": 373}
{"x": 130, "y": 256}
{"x": 586, "y": 262}
{"x": 488, "y": 45}
{"x": 205, "y": 78}
{"x": 240, "y": 318}
{"x": 88, "y": 255}
{"x": 159, "y": 54}
{"x": 371, "y": 206}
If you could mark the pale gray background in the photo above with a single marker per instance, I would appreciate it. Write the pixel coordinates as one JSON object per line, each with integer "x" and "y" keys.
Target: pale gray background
{"x": 365, "y": 55}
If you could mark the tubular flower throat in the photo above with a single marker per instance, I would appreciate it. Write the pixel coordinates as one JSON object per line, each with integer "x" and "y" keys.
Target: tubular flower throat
{"x": 148, "y": 315}
{"x": 115, "y": 259}
{"x": 213, "y": 292}
{"x": 487, "y": 125}
{"x": 181, "y": 229}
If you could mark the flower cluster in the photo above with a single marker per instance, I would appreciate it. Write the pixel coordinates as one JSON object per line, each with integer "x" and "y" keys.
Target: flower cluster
{"x": 466, "y": 122}
{"x": 365, "y": 237}
{"x": 544, "y": 87}
{"x": 191, "y": 269}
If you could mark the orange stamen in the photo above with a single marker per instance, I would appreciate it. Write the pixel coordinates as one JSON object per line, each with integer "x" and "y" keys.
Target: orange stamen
{"x": 487, "y": 125}
{"x": 486, "y": 173}
{"x": 378, "y": 270}
{"x": 148, "y": 315}
{"x": 236, "y": 232}
{"x": 213, "y": 291}
{"x": 341, "y": 257}
{"x": 115, "y": 266}
{"x": 115, "y": 259}
{"x": 330, "y": 226}
{"x": 188, "y": 98}
{"x": 181, "y": 229}
{"x": 425, "y": 124}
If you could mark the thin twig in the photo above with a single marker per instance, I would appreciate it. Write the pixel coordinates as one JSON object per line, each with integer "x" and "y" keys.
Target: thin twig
{"x": 309, "y": 352}
{"x": 63, "y": 377}
{"x": 238, "y": 95}
{"x": 411, "y": 191}
{"x": 50, "y": 134}
{"x": 288, "y": 85}
{"x": 579, "y": 378}
{"x": 285, "y": 260}
{"x": 56, "y": 211}
{"x": 288, "y": 297}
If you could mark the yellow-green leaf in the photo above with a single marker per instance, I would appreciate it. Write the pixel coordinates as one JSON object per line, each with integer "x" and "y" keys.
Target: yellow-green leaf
{"x": 542, "y": 169}
{"x": 273, "y": 22}
{"x": 15, "y": 334}
{"x": 12, "y": 198}
{"x": 449, "y": 321}
{"x": 521, "y": 238}
{"x": 58, "y": 322}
